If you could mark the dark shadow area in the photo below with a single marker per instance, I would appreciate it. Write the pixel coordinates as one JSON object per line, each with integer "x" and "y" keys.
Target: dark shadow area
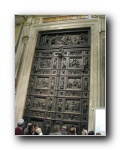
{"x": 61, "y": 138}
{"x": 108, "y": 78}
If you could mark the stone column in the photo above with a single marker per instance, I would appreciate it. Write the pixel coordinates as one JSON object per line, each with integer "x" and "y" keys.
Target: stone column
{"x": 23, "y": 67}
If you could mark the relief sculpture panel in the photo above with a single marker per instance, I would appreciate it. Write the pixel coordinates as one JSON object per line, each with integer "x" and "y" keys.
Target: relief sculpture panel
{"x": 39, "y": 103}
{"x": 42, "y": 82}
{"x": 72, "y": 106}
{"x": 71, "y": 117}
{"x": 59, "y": 86}
{"x": 74, "y": 83}
{"x": 45, "y": 63}
{"x": 76, "y": 63}
{"x": 65, "y": 39}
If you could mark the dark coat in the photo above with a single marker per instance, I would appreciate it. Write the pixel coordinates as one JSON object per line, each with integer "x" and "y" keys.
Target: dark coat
{"x": 19, "y": 131}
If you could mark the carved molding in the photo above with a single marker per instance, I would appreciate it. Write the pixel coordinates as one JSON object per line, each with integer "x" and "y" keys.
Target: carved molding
{"x": 63, "y": 18}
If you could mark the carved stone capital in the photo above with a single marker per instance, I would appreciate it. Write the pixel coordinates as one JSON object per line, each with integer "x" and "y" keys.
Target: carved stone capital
{"x": 37, "y": 20}
{"x": 102, "y": 33}
{"x": 25, "y": 39}
{"x": 94, "y": 16}
{"x": 102, "y": 16}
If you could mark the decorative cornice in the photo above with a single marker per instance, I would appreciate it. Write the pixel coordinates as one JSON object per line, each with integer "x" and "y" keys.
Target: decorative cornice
{"x": 63, "y": 18}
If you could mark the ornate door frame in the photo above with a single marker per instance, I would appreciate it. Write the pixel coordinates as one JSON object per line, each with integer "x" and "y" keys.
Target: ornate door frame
{"x": 28, "y": 42}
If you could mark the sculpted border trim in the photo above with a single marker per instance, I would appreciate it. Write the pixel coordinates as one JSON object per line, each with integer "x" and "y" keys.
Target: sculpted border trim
{"x": 62, "y": 18}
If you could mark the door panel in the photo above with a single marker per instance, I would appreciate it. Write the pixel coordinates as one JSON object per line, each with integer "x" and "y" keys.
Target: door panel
{"x": 58, "y": 91}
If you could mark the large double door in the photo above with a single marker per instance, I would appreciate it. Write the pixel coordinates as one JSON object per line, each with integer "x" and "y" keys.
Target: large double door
{"x": 58, "y": 91}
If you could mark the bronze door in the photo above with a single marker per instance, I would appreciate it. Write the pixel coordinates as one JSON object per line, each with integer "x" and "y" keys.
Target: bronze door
{"x": 58, "y": 91}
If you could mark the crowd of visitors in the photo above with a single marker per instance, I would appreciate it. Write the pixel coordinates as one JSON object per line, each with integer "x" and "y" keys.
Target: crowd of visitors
{"x": 32, "y": 129}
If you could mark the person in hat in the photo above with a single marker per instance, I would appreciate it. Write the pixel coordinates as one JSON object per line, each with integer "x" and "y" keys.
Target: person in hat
{"x": 64, "y": 130}
{"x": 19, "y": 128}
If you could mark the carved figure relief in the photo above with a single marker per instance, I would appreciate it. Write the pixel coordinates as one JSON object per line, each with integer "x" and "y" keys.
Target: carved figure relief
{"x": 42, "y": 82}
{"x": 32, "y": 80}
{"x": 55, "y": 63}
{"x": 85, "y": 94}
{"x": 42, "y": 72}
{"x": 35, "y": 65}
{"x": 71, "y": 117}
{"x": 66, "y": 39}
{"x": 63, "y": 72}
{"x": 86, "y": 84}
{"x": 61, "y": 92}
{"x": 74, "y": 72}
{"x": 54, "y": 72}
{"x": 45, "y": 63}
{"x": 74, "y": 83}
{"x": 31, "y": 91}
{"x": 46, "y": 54}
{"x": 50, "y": 103}
{"x": 37, "y": 113}
{"x": 72, "y": 106}
{"x": 84, "y": 118}
{"x": 64, "y": 63}
{"x": 53, "y": 83}
{"x": 86, "y": 72}
{"x": 58, "y": 116}
{"x": 60, "y": 105}
{"x": 85, "y": 106}
{"x": 49, "y": 115}
{"x": 41, "y": 92}
{"x": 51, "y": 92}
{"x": 39, "y": 103}
{"x": 76, "y": 63}
{"x": 76, "y": 53}
{"x": 62, "y": 83}
{"x": 86, "y": 62}
{"x": 73, "y": 93}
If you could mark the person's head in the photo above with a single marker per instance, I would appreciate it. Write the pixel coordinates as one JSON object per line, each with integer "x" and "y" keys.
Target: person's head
{"x": 21, "y": 123}
{"x": 72, "y": 131}
{"x": 98, "y": 133}
{"x": 84, "y": 132}
{"x": 35, "y": 126}
{"x": 64, "y": 127}
{"x": 91, "y": 133}
{"x": 55, "y": 128}
{"x": 29, "y": 124}
{"x": 38, "y": 131}
{"x": 31, "y": 129}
